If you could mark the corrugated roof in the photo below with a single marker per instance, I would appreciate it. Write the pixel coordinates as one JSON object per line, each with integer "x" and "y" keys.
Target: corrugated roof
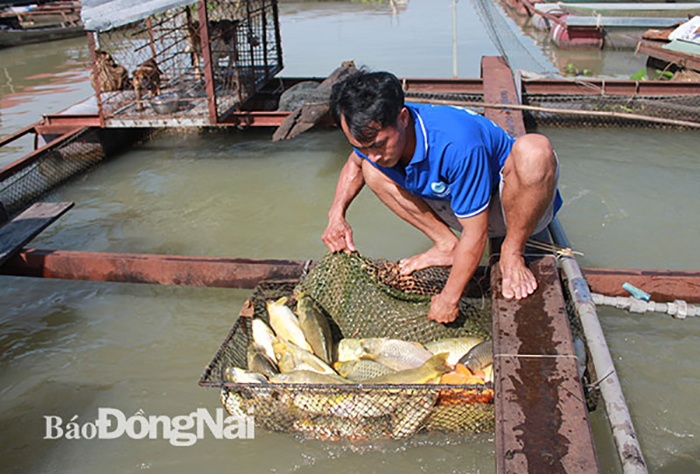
{"x": 103, "y": 15}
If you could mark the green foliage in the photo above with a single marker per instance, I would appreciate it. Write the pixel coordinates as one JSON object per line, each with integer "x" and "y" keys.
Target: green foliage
{"x": 641, "y": 75}
{"x": 571, "y": 70}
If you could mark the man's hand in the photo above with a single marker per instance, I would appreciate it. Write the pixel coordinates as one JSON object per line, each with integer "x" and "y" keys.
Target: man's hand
{"x": 442, "y": 309}
{"x": 338, "y": 235}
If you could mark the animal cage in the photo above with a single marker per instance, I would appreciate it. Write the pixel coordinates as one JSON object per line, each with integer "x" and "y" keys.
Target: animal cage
{"x": 159, "y": 63}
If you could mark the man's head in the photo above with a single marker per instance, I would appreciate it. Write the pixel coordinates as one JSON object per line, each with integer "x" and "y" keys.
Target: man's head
{"x": 369, "y": 108}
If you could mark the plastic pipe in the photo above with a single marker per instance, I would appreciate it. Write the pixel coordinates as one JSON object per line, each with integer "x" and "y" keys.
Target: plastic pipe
{"x": 628, "y": 449}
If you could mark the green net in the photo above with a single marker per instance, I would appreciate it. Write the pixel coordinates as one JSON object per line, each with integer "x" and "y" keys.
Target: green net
{"x": 361, "y": 298}
{"x": 369, "y": 298}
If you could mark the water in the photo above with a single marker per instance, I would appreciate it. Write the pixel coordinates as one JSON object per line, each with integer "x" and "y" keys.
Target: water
{"x": 70, "y": 347}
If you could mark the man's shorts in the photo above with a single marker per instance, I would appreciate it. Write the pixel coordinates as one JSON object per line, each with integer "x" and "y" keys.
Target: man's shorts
{"x": 497, "y": 219}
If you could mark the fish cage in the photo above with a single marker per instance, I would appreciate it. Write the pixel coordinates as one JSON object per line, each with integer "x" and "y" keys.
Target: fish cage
{"x": 160, "y": 63}
{"x": 601, "y": 110}
{"x": 361, "y": 298}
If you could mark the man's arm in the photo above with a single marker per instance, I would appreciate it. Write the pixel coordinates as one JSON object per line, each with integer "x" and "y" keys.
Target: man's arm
{"x": 338, "y": 233}
{"x": 467, "y": 255}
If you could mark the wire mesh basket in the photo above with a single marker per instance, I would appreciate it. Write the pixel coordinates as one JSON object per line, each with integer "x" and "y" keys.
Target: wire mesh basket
{"x": 354, "y": 411}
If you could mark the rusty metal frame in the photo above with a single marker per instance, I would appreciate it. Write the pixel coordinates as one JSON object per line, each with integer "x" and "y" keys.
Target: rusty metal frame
{"x": 266, "y": 118}
{"x": 154, "y": 269}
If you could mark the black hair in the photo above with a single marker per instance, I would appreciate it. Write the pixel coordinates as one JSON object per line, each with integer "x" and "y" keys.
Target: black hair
{"x": 369, "y": 101}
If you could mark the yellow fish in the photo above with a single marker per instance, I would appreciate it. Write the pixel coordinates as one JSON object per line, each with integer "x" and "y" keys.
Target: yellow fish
{"x": 286, "y": 324}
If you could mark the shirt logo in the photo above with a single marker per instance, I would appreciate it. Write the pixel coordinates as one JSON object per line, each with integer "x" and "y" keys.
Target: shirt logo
{"x": 439, "y": 188}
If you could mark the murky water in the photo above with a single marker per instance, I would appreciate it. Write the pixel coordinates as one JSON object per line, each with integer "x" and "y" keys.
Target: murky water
{"x": 69, "y": 348}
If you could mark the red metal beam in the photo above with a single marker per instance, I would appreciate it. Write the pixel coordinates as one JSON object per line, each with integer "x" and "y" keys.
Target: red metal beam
{"x": 57, "y": 121}
{"x": 156, "y": 269}
{"x": 499, "y": 88}
{"x": 662, "y": 285}
{"x": 608, "y": 87}
{"x": 541, "y": 418}
{"x": 245, "y": 118}
{"x": 462, "y": 86}
{"x": 18, "y": 134}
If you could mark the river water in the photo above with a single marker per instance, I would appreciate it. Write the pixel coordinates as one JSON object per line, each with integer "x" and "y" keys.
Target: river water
{"x": 70, "y": 347}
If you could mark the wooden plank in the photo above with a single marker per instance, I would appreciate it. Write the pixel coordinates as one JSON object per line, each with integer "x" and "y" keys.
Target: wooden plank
{"x": 23, "y": 228}
{"x": 541, "y": 415}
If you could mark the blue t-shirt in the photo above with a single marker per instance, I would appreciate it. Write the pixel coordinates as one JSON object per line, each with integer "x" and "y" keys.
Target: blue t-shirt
{"x": 458, "y": 157}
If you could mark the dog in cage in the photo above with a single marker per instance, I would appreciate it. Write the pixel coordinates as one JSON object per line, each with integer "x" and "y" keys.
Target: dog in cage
{"x": 194, "y": 47}
{"x": 109, "y": 75}
{"x": 222, "y": 45}
{"x": 146, "y": 80}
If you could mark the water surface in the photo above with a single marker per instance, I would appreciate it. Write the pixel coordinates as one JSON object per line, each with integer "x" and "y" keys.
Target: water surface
{"x": 70, "y": 347}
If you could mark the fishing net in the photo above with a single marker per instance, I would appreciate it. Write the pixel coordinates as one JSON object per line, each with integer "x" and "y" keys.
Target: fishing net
{"x": 367, "y": 298}
{"x": 361, "y": 298}
{"x": 32, "y": 177}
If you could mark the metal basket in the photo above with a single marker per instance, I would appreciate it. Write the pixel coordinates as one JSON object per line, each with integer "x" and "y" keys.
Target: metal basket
{"x": 354, "y": 412}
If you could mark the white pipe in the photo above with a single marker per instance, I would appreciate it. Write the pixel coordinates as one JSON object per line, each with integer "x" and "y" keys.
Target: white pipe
{"x": 679, "y": 309}
{"x": 625, "y": 437}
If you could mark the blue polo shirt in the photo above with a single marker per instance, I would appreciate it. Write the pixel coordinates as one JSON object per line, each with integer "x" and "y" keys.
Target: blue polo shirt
{"x": 458, "y": 157}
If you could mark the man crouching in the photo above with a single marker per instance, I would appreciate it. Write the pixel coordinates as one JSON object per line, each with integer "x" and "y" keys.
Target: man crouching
{"x": 441, "y": 168}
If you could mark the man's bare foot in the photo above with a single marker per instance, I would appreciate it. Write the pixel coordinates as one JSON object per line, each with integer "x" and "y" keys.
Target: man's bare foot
{"x": 430, "y": 258}
{"x": 518, "y": 280}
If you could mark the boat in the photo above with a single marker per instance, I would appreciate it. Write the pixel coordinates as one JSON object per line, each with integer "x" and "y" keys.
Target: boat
{"x": 37, "y": 23}
{"x": 678, "y": 48}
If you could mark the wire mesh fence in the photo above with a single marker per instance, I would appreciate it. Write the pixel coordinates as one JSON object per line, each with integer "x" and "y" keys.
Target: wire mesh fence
{"x": 42, "y": 172}
{"x": 653, "y": 111}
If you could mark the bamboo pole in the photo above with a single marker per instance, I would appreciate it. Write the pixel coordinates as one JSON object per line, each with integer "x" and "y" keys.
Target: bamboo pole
{"x": 587, "y": 113}
{"x": 628, "y": 448}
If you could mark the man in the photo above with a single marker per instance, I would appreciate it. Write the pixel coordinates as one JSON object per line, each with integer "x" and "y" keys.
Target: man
{"x": 439, "y": 167}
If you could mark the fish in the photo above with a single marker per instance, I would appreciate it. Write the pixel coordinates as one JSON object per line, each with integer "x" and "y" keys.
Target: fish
{"x": 478, "y": 356}
{"x": 290, "y": 357}
{"x": 286, "y": 324}
{"x": 259, "y": 362}
{"x": 361, "y": 370}
{"x": 263, "y": 335}
{"x": 455, "y": 346}
{"x": 315, "y": 327}
{"x": 394, "y": 353}
{"x": 332, "y": 428}
{"x": 364, "y": 405}
{"x": 429, "y": 372}
{"x": 346, "y": 404}
{"x": 238, "y": 375}
{"x": 308, "y": 376}
{"x": 349, "y": 349}
{"x": 488, "y": 373}
{"x": 233, "y": 402}
{"x": 410, "y": 416}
